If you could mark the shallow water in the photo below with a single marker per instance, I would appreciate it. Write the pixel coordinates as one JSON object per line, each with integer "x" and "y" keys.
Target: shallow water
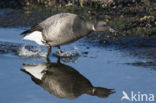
{"x": 103, "y": 66}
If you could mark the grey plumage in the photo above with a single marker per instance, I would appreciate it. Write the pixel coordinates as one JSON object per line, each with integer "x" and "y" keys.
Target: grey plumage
{"x": 64, "y": 28}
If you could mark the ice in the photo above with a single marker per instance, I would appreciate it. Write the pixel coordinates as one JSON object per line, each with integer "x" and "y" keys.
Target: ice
{"x": 31, "y": 51}
{"x": 67, "y": 54}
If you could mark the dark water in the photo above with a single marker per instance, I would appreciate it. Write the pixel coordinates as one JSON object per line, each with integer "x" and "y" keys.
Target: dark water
{"x": 103, "y": 67}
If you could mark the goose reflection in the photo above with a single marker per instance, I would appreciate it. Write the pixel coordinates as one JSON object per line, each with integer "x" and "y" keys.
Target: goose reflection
{"x": 63, "y": 81}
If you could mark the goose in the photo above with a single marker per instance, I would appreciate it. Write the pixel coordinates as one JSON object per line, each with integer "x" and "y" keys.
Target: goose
{"x": 63, "y": 81}
{"x": 61, "y": 29}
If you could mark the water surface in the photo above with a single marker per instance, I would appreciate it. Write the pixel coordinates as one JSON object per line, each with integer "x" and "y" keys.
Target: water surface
{"x": 103, "y": 66}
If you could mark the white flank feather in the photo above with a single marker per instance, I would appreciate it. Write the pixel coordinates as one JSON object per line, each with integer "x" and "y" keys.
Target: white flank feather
{"x": 35, "y": 36}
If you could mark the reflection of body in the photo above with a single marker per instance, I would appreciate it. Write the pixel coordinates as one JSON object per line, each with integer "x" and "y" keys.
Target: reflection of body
{"x": 63, "y": 81}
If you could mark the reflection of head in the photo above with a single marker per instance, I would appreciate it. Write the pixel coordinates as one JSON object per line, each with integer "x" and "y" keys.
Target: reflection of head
{"x": 63, "y": 81}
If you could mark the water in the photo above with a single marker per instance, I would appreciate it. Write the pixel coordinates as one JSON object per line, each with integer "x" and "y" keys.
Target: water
{"x": 103, "y": 66}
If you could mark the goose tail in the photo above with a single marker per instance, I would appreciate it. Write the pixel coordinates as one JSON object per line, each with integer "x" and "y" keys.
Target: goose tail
{"x": 25, "y": 32}
{"x": 34, "y": 28}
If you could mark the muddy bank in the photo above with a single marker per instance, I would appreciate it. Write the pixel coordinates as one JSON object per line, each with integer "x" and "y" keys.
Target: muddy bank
{"x": 128, "y": 17}
{"x": 60, "y": 3}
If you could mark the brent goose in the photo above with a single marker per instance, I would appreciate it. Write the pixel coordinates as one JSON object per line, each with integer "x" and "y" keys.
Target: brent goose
{"x": 62, "y": 28}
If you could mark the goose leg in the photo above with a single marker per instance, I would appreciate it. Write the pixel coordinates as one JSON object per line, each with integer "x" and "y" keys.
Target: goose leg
{"x": 58, "y": 60}
{"x": 59, "y": 50}
{"x": 47, "y": 59}
{"x": 49, "y": 51}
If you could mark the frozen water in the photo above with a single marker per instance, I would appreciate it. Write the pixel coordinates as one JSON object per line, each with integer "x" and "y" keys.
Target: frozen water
{"x": 67, "y": 54}
{"x": 30, "y": 51}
